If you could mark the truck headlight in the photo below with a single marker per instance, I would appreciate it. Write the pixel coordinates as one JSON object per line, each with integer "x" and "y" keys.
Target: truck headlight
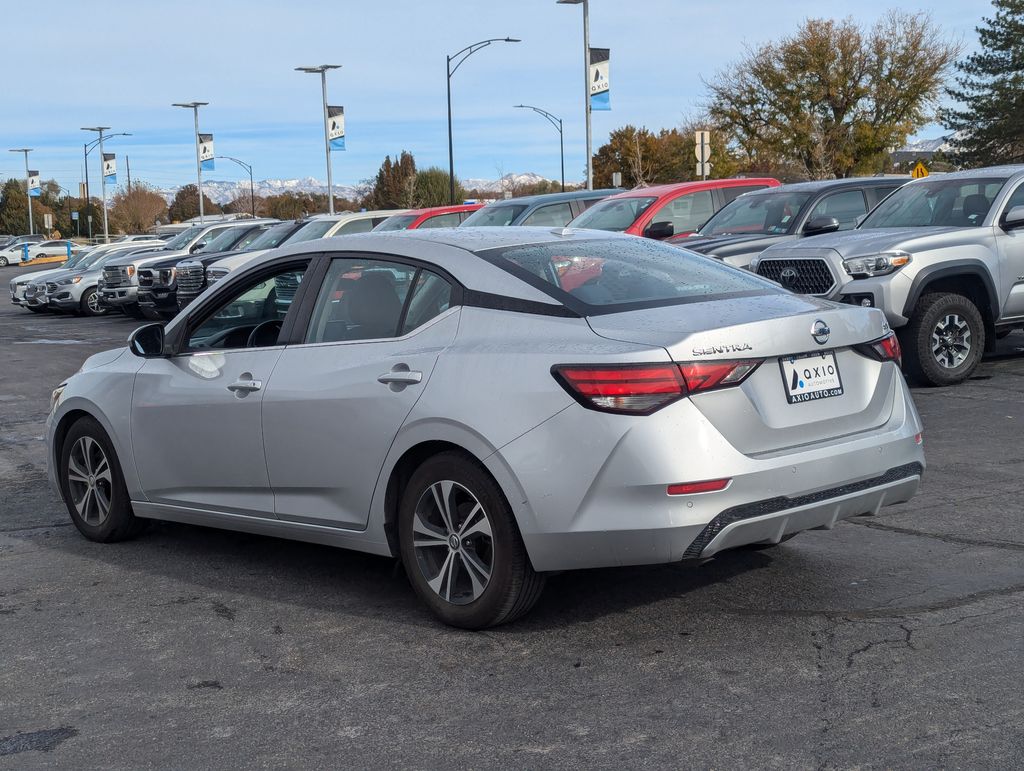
{"x": 876, "y": 264}
{"x": 167, "y": 276}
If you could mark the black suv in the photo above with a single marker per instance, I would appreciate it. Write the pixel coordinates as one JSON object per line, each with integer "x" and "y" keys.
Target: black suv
{"x": 743, "y": 229}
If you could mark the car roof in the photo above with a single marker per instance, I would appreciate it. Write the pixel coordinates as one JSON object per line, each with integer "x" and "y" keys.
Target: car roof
{"x": 1006, "y": 171}
{"x": 569, "y": 195}
{"x": 461, "y": 207}
{"x": 671, "y": 188}
{"x": 355, "y": 215}
{"x": 819, "y": 185}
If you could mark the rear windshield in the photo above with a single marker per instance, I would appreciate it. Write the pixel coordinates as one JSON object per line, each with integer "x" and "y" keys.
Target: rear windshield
{"x": 961, "y": 203}
{"x": 766, "y": 214}
{"x": 602, "y": 276}
{"x": 397, "y": 222}
{"x": 494, "y": 215}
{"x": 615, "y": 214}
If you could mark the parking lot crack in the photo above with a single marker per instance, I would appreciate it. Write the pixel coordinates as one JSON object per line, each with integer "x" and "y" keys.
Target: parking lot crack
{"x": 945, "y": 538}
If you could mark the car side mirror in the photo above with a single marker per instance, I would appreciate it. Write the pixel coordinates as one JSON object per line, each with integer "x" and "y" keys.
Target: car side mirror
{"x": 148, "y": 341}
{"x": 660, "y": 230}
{"x": 197, "y": 247}
{"x": 1013, "y": 219}
{"x": 819, "y": 225}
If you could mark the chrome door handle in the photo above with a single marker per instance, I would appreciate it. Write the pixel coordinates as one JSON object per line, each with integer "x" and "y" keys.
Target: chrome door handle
{"x": 400, "y": 377}
{"x": 246, "y": 386}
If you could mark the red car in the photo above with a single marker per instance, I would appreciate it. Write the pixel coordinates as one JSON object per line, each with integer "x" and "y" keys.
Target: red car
{"x": 434, "y": 217}
{"x": 662, "y": 211}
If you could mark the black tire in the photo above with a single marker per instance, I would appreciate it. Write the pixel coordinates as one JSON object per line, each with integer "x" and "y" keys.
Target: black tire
{"x": 119, "y": 523}
{"x": 3, "y": 262}
{"x": 89, "y": 305}
{"x": 512, "y": 587}
{"x": 934, "y": 313}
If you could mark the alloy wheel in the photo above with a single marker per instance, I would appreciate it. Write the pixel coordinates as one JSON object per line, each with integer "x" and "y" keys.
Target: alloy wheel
{"x": 90, "y": 483}
{"x": 453, "y": 542}
{"x": 93, "y": 302}
{"x": 951, "y": 341}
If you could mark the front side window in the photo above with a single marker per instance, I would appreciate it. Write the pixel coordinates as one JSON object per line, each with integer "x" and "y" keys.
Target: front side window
{"x": 687, "y": 212}
{"x": 183, "y": 238}
{"x": 355, "y": 226}
{"x": 957, "y": 202}
{"x": 255, "y": 304}
{"x": 451, "y": 220}
{"x": 765, "y": 214}
{"x": 594, "y": 276}
{"x": 846, "y": 207}
{"x": 554, "y": 215}
{"x": 614, "y": 214}
{"x": 495, "y": 215}
{"x": 374, "y": 299}
{"x": 1016, "y": 199}
{"x": 223, "y": 240}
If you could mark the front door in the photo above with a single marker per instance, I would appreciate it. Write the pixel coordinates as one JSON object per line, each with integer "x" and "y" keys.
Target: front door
{"x": 1011, "y": 253}
{"x": 196, "y": 416}
{"x": 336, "y": 402}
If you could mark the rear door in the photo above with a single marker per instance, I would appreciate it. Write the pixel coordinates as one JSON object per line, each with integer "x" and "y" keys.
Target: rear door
{"x": 338, "y": 398}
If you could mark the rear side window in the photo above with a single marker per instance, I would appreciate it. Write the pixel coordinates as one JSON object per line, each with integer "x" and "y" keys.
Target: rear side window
{"x": 603, "y": 276}
{"x": 687, "y": 212}
{"x": 555, "y": 215}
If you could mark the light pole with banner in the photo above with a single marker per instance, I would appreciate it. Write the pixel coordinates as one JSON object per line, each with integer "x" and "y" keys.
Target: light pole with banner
{"x": 248, "y": 168}
{"x": 702, "y": 149}
{"x": 459, "y": 57}
{"x": 194, "y": 107}
{"x": 557, "y": 123}
{"x": 103, "y": 177}
{"x": 321, "y": 69}
{"x": 586, "y": 82}
{"x": 87, "y": 148}
{"x": 28, "y": 186}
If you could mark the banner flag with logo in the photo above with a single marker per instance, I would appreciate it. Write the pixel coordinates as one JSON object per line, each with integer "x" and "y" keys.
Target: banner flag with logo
{"x": 206, "y": 152}
{"x": 35, "y": 189}
{"x": 336, "y": 127}
{"x": 599, "y": 79}
{"x": 110, "y": 168}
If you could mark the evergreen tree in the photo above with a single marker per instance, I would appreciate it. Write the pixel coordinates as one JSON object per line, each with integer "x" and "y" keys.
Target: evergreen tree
{"x": 991, "y": 92}
{"x": 13, "y": 209}
{"x": 185, "y": 205}
{"x": 395, "y": 184}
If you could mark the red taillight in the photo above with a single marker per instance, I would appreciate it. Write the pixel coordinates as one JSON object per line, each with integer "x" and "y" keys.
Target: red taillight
{"x": 640, "y": 389}
{"x": 692, "y": 488}
{"x": 632, "y": 389}
{"x": 884, "y": 349}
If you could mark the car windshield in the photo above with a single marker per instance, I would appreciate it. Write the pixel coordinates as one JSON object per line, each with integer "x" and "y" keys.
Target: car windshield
{"x": 594, "y": 276}
{"x": 312, "y": 231}
{"x": 765, "y": 214}
{"x": 397, "y": 222}
{"x": 224, "y": 240}
{"x": 497, "y": 215}
{"x": 95, "y": 256}
{"x": 271, "y": 237}
{"x": 614, "y": 214}
{"x": 960, "y": 203}
{"x": 181, "y": 240}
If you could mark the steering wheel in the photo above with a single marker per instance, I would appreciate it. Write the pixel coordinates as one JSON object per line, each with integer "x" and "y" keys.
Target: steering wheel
{"x": 264, "y": 334}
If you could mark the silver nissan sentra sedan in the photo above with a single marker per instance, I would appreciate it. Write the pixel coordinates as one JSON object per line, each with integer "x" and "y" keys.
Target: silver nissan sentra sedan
{"x": 489, "y": 405}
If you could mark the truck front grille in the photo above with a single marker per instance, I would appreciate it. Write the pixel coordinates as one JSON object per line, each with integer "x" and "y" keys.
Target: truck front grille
{"x": 806, "y": 276}
{"x": 114, "y": 276}
{"x": 146, "y": 277}
{"x": 191, "y": 278}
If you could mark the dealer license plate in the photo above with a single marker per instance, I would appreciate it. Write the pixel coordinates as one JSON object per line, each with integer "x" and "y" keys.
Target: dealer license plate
{"x": 811, "y": 376}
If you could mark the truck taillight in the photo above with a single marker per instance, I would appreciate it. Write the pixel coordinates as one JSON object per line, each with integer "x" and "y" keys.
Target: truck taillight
{"x": 640, "y": 389}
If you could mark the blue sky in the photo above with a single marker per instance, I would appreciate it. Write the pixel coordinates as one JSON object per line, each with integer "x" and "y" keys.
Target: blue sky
{"x": 122, "y": 64}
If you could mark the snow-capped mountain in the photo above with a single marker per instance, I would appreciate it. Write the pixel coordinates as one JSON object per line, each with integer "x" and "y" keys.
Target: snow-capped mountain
{"x": 221, "y": 192}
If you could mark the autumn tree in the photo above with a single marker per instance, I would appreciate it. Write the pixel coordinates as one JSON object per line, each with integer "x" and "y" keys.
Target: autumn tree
{"x": 246, "y": 203}
{"x": 137, "y": 209}
{"x": 185, "y": 205}
{"x": 990, "y": 89}
{"x": 834, "y": 96}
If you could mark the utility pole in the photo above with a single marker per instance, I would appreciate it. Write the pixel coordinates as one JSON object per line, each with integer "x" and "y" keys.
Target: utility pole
{"x": 103, "y": 180}
{"x": 322, "y": 70}
{"x": 28, "y": 194}
{"x": 128, "y": 168}
{"x": 586, "y": 83}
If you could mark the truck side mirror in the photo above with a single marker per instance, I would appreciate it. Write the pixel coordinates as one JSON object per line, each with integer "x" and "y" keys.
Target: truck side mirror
{"x": 660, "y": 230}
{"x": 1013, "y": 219}
{"x": 819, "y": 225}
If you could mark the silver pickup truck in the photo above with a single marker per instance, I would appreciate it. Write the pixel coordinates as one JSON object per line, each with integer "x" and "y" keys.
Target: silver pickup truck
{"x": 943, "y": 257}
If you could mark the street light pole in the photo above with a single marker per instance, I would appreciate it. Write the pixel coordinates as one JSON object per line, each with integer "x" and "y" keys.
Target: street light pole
{"x": 247, "y": 167}
{"x": 87, "y": 147}
{"x": 465, "y": 53}
{"x": 586, "y": 83}
{"x": 322, "y": 70}
{"x": 103, "y": 179}
{"x": 28, "y": 194}
{"x": 557, "y": 123}
{"x": 194, "y": 106}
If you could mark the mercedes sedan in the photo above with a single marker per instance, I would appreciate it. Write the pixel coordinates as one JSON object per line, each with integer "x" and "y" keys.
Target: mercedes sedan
{"x": 489, "y": 406}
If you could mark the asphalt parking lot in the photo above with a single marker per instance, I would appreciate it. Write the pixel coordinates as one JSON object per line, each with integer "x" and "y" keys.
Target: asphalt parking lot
{"x": 895, "y": 641}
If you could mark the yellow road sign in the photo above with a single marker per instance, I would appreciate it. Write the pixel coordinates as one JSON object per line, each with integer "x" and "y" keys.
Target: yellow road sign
{"x": 919, "y": 171}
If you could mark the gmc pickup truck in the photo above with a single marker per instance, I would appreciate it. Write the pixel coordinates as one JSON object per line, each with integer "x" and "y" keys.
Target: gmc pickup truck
{"x": 943, "y": 257}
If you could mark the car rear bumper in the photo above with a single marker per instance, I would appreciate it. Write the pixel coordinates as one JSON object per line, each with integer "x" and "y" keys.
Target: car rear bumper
{"x": 600, "y": 498}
